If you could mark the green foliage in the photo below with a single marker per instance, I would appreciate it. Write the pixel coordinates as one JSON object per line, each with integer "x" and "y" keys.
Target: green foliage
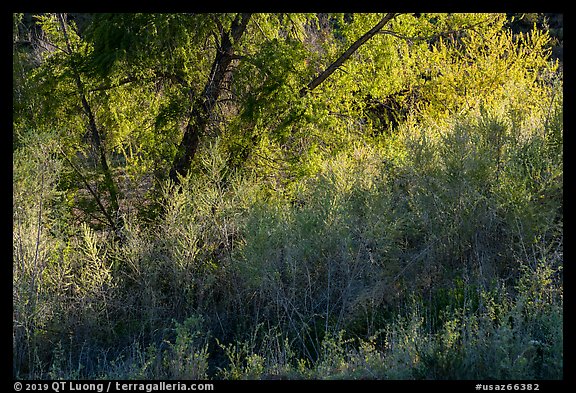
{"x": 146, "y": 42}
{"x": 403, "y": 220}
{"x": 481, "y": 68}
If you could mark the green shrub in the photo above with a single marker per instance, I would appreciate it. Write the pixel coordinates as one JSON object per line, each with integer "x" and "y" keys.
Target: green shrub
{"x": 430, "y": 249}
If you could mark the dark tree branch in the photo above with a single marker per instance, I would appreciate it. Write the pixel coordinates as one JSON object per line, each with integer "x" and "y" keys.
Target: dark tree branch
{"x": 349, "y": 52}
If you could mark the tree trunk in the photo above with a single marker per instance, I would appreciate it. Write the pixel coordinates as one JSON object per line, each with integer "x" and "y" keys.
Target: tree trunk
{"x": 203, "y": 106}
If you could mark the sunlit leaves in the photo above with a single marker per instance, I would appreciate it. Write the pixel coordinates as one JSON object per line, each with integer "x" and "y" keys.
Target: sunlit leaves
{"x": 482, "y": 66}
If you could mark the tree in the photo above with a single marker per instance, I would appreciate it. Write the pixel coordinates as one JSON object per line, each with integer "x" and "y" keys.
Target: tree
{"x": 247, "y": 79}
{"x": 62, "y": 105}
{"x": 228, "y": 38}
{"x": 111, "y": 214}
{"x": 203, "y": 105}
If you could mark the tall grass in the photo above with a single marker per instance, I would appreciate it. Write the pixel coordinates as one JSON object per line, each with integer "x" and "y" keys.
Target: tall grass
{"x": 434, "y": 254}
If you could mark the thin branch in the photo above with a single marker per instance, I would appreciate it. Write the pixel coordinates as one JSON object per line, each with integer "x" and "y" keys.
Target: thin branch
{"x": 404, "y": 37}
{"x": 431, "y": 37}
{"x": 122, "y": 82}
{"x": 44, "y": 44}
{"x": 261, "y": 30}
{"x": 90, "y": 189}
